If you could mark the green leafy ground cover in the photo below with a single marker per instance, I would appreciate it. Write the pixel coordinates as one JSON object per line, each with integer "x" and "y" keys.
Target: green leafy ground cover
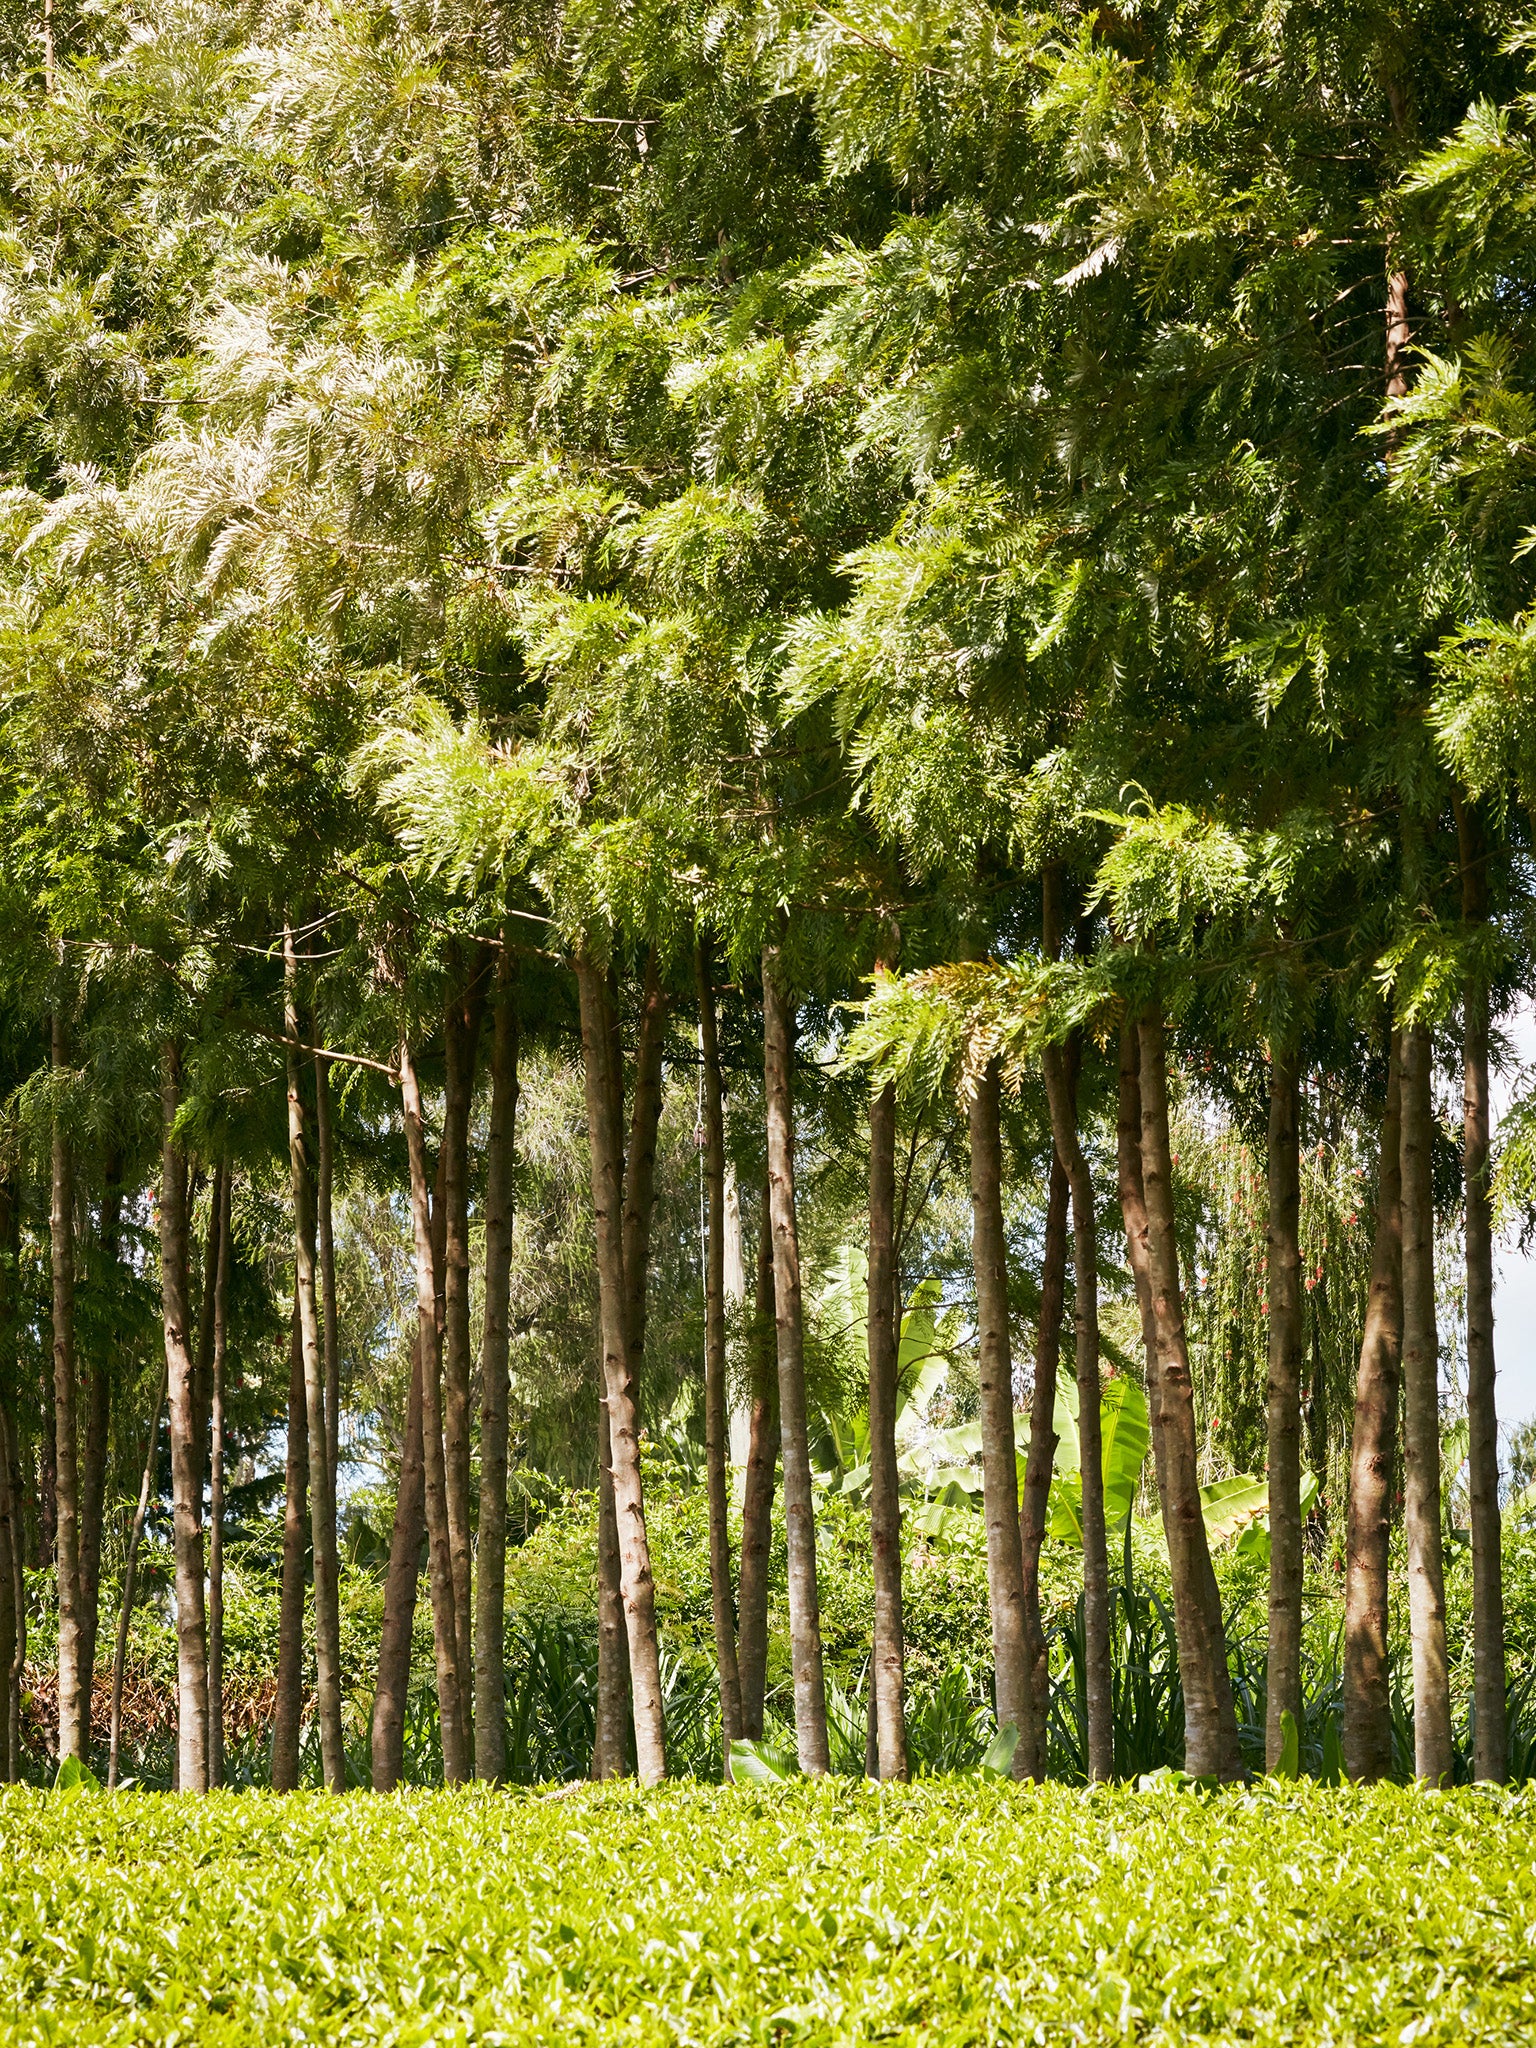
{"x": 955, "y": 1911}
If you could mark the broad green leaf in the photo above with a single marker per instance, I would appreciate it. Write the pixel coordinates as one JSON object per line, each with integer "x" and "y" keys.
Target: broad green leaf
{"x": 998, "y": 1761}
{"x": 1228, "y": 1505}
{"x": 754, "y": 1763}
{"x": 1289, "y": 1765}
{"x": 75, "y": 1777}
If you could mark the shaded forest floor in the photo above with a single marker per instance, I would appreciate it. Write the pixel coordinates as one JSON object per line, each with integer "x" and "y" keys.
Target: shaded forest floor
{"x": 955, "y": 1910}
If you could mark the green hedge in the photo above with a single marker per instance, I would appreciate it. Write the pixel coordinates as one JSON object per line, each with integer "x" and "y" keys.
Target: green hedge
{"x": 952, "y": 1911}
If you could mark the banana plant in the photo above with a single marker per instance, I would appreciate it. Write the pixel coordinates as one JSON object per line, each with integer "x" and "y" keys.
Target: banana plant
{"x": 1126, "y": 1435}
{"x": 842, "y": 1446}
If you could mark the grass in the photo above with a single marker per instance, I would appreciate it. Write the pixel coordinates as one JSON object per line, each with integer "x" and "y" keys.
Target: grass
{"x": 954, "y": 1911}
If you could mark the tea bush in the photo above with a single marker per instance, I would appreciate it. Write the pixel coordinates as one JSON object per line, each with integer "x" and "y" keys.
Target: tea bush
{"x": 953, "y": 1911}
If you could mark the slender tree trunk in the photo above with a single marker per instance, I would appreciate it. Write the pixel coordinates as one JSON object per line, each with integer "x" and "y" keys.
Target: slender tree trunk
{"x": 130, "y": 1580}
{"x": 222, "y": 1195}
{"x": 716, "y": 1448}
{"x": 186, "y": 1491}
{"x": 325, "y": 1245}
{"x": 1133, "y": 1209}
{"x": 1490, "y": 1734}
{"x": 799, "y": 1507}
{"x": 1062, "y": 1097}
{"x": 9, "y": 1534}
{"x": 1038, "y": 1466}
{"x": 888, "y": 1677}
{"x": 13, "y": 1586}
{"x": 17, "y": 1591}
{"x": 1421, "y": 1389}
{"x": 1210, "y": 1724}
{"x": 1285, "y": 1343}
{"x": 450, "y": 1702}
{"x": 74, "y": 1680}
{"x": 393, "y": 1685}
{"x": 322, "y": 1502}
{"x": 10, "y": 1519}
{"x": 288, "y": 1710}
{"x": 757, "y": 1497}
{"x": 1367, "y": 1673}
{"x": 94, "y": 1448}
{"x": 461, "y": 1036}
{"x": 999, "y": 1460}
{"x": 604, "y": 1124}
{"x": 202, "y": 1368}
{"x": 490, "y": 1579}
{"x": 394, "y": 1675}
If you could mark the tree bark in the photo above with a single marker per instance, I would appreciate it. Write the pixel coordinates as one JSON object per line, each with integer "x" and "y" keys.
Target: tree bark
{"x": 604, "y": 1125}
{"x": 1367, "y": 1672}
{"x": 222, "y": 1194}
{"x": 716, "y": 1448}
{"x": 1038, "y": 1465}
{"x": 74, "y": 1678}
{"x": 450, "y": 1699}
{"x": 288, "y": 1707}
{"x": 325, "y": 1246}
{"x": 1062, "y": 1098}
{"x": 94, "y": 1449}
{"x": 1490, "y": 1739}
{"x": 799, "y": 1509}
{"x": 322, "y": 1502}
{"x": 17, "y": 1592}
{"x": 1210, "y": 1724}
{"x": 888, "y": 1676}
{"x": 999, "y": 1460}
{"x": 461, "y": 1038}
{"x": 130, "y": 1579}
{"x": 1285, "y": 1344}
{"x": 392, "y": 1688}
{"x": 490, "y": 1580}
{"x": 757, "y": 1494}
{"x": 393, "y": 1684}
{"x": 13, "y": 1589}
{"x": 9, "y": 1534}
{"x": 186, "y": 1475}
{"x": 1433, "y": 1756}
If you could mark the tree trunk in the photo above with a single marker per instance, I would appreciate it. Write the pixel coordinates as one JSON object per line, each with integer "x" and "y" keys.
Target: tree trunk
{"x": 186, "y": 1489}
{"x": 757, "y": 1497}
{"x": 10, "y": 1519}
{"x": 1367, "y": 1673}
{"x": 799, "y": 1506}
{"x": 999, "y": 1458}
{"x": 1433, "y": 1756}
{"x": 130, "y": 1578}
{"x": 888, "y": 1676}
{"x": 604, "y": 1125}
{"x": 393, "y": 1685}
{"x": 716, "y": 1448}
{"x": 392, "y": 1689}
{"x": 491, "y": 1572}
{"x": 1062, "y": 1097}
{"x": 16, "y": 1590}
{"x": 322, "y": 1502}
{"x": 1490, "y": 1738}
{"x": 450, "y": 1700}
{"x": 288, "y": 1709}
{"x": 223, "y": 1189}
{"x": 1038, "y": 1466}
{"x": 94, "y": 1449}
{"x": 1210, "y": 1724}
{"x": 1285, "y": 1341}
{"x": 461, "y": 1038}
{"x": 13, "y": 1589}
{"x": 74, "y": 1679}
{"x": 325, "y": 1245}
{"x": 9, "y": 1534}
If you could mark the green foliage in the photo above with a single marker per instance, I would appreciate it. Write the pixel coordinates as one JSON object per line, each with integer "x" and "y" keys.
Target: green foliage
{"x": 847, "y": 1911}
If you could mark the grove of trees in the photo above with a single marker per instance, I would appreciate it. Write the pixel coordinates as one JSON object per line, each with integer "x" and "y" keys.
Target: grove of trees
{"x": 701, "y": 704}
